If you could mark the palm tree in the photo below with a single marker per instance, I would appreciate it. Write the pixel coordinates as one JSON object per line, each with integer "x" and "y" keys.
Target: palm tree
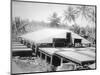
{"x": 54, "y": 20}
{"x": 17, "y": 24}
{"x": 92, "y": 15}
{"x": 88, "y": 13}
{"x": 20, "y": 25}
{"x": 85, "y": 11}
{"x": 70, "y": 14}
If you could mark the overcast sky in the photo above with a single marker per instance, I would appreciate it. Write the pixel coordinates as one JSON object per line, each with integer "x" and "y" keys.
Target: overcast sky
{"x": 40, "y": 11}
{"x": 36, "y": 11}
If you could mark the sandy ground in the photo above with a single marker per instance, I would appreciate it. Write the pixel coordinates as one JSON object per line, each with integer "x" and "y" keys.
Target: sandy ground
{"x": 32, "y": 64}
{"x": 20, "y": 65}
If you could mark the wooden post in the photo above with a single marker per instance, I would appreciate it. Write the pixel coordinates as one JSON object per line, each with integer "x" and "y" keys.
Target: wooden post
{"x": 53, "y": 44}
{"x": 35, "y": 49}
{"x": 40, "y": 55}
{"x": 45, "y": 57}
{"x": 51, "y": 60}
{"x": 31, "y": 44}
{"x": 75, "y": 67}
{"x": 61, "y": 61}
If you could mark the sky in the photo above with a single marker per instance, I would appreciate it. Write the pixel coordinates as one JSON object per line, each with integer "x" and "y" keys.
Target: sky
{"x": 36, "y": 11}
{"x": 41, "y": 11}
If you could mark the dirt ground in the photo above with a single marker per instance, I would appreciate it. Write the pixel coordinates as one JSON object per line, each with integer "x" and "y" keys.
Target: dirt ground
{"x": 29, "y": 64}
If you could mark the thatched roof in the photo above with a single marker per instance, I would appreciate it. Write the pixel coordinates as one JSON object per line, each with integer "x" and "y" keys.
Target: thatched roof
{"x": 46, "y": 35}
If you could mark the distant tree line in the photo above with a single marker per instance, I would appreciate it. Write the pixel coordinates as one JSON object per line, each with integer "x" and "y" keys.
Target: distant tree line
{"x": 19, "y": 26}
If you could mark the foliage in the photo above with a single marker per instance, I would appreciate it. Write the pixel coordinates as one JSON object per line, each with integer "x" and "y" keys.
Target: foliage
{"x": 75, "y": 28}
{"x": 18, "y": 25}
{"x": 86, "y": 12}
{"x": 54, "y": 20}
{"x": 86, "y": 32}
{"x": 70, "y": 14}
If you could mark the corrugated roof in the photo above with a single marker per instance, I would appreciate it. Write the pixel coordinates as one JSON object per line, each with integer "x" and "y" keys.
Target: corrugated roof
{"x": 50, "y": 51}
{"x": 46, "y": 35}
{"x": 22, "y": 49}
{"x": 67, "y": 49}
{"x": 13, "y": 47}
{"x": 17, "y": 45}
{"x": 77, "y": 57}
{"x": 92, "y": 48}
{"x": 87, "y": 52}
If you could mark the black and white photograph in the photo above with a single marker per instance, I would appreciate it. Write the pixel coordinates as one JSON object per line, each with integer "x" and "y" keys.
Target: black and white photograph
{"x": 52, "y": 37}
